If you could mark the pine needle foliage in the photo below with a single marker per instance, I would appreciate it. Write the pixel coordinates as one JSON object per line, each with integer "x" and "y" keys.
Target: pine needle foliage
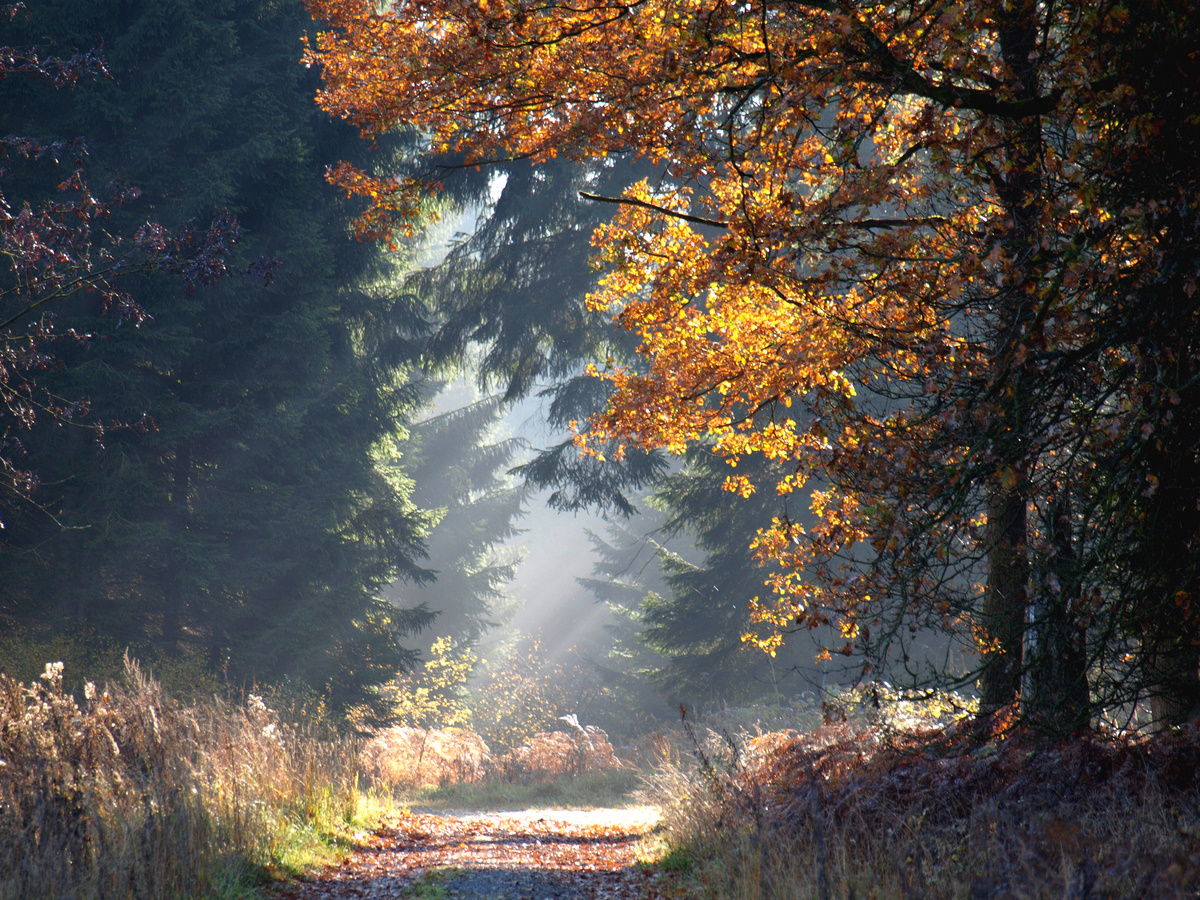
{"x": 248, "y": 526}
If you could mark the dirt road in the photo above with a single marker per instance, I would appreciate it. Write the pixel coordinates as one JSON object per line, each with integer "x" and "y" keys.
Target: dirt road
{"x": 530, "y": 855}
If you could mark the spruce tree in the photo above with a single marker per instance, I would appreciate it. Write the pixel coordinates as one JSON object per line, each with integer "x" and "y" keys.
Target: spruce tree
{"x": 698, "y": 622}
{"x": 249, "y": 522}
{"x": 628, "y": 573}
{"x": 511, "y": 295}
{"x": 459, "y": 473}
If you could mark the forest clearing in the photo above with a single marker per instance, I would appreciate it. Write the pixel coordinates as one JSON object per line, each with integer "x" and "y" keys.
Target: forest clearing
{"x": 632, "y": 448}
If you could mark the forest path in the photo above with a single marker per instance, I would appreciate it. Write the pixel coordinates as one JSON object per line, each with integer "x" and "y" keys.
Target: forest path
{"x": 537, "y": 854}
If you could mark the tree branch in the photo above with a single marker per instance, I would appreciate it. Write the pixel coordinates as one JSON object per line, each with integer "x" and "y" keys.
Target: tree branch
{"x": 631, "y": 201}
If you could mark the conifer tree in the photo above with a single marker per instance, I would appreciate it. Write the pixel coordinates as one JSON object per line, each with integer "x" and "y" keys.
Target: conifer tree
{"x": 699, "y": 622}
{"x": 459, "y": 475}
{"x": 250, "y": 524}
{"x": 511, "y": 294}
{"x": 626, "y": 572}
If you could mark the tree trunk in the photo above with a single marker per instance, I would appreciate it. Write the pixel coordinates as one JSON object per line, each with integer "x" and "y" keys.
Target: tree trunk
{"x": 1056, "y": 695}
{"x": 1173, "y": 675}
{"x": 174, "y": 590}
{"x": 1005, "y": 599}
{"x": 1171, "y": 544}
{"x": 1019, "y": 188}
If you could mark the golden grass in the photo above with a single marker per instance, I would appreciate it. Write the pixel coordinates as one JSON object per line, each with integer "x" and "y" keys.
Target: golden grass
{"x": 550, "y": 755}
{"x": 127, "y": 793}
{"x": 412, "y": 758}
{"x": 407, "y": 759}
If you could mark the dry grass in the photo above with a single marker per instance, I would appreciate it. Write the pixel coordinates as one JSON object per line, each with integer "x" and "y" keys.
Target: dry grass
{"x": 549, "y": 755}
{"x": 858, "y": 812}
{"x": 413, "y": 758}
{"x": 408, "y": 759}
{"x": 128, "y": 793}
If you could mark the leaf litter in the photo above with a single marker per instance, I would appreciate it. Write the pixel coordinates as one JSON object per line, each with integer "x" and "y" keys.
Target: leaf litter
{"x": 534, "y": 854}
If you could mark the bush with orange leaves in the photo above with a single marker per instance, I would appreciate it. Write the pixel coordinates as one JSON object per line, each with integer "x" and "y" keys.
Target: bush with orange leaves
{"x": 414, "y": 758}
{"x": 853, "y": 811}
{"x": 556, "y": 754}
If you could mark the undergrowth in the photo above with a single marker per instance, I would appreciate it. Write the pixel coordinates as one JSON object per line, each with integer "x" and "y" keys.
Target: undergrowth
{"x": 431, "y": 885}
{"x": 854, "y": 809}
{"x": 125, "y": 792}
{"x": 617, "y": 787}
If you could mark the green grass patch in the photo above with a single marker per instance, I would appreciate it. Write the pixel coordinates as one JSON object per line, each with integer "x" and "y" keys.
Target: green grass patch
{"x": 327, "y": 833}
{"x": 618, "y": 787}
{"x": 677, "y": 860}
{"x": 431, "y": 885}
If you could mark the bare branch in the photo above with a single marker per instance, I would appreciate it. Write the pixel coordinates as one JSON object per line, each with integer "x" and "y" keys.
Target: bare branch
{"x": 632, "y": 201}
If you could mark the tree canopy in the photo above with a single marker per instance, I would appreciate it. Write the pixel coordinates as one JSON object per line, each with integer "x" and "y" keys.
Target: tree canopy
{"x": 935, "y": 261}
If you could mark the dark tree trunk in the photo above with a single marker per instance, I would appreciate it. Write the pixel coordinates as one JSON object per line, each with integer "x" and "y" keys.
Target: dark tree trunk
{"x": 1005, "y": 599}
{"x": 1170, "y": 558}
{"x": 1057, "y": 698}
{"x": 1019, "y": 187}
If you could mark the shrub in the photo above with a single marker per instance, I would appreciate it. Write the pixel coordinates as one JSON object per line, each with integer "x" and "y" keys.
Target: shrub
{"x": 435, "y": 695}
{"x": 409, "y": 758}
{"x": 88, "y": 655}
{"x": 855, "y": 811}
{"x": 524, "y": 691}
{"x": 554, "y": 754}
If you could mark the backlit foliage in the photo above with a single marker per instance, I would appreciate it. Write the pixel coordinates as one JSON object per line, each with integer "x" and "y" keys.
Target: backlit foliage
{"x": 522, "y": 691}
{"x": 892, "y": 248}
{"x": 435, "y": 695}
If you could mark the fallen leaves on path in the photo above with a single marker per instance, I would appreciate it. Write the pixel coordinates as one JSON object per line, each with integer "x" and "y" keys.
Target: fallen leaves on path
{"x": 529, "y": 855}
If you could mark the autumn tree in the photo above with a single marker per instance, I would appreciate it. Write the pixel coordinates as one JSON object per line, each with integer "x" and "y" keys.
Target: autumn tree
{"x": 910, "y": 235}
{"x": 1142, "y": 502}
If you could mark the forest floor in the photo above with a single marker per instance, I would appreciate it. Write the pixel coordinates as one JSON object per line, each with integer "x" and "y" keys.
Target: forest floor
{"x": 534, "y": 854}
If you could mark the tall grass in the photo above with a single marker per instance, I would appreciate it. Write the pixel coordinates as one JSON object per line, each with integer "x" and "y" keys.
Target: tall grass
{"x": 127, "y": 793}
{"x": 853, "y": 811}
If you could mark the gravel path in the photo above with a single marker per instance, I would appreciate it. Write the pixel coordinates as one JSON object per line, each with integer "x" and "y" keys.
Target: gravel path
{"x": 549, "y": 854}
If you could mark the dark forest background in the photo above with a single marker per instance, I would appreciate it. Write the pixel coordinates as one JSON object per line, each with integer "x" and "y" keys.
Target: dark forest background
{"x": 254, "y": 484}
